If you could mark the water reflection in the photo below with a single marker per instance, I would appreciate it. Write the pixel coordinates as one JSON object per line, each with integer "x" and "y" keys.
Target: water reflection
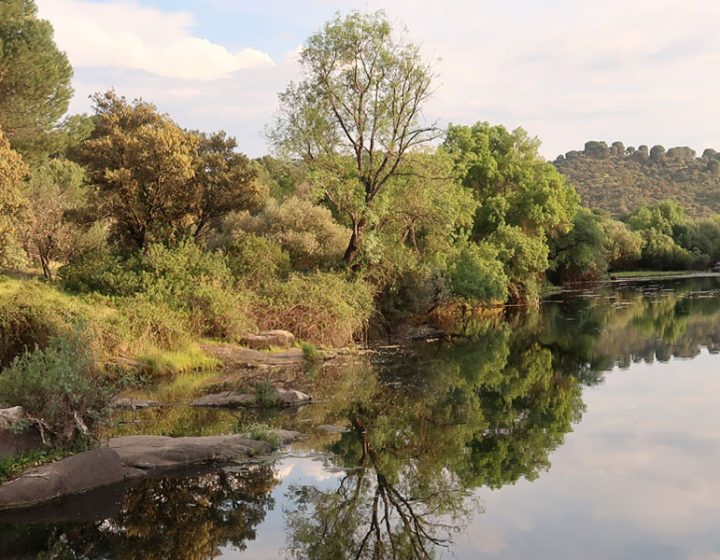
{"x": 424, "y": 429}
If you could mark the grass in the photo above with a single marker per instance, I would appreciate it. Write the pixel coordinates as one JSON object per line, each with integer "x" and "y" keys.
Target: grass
{"x": 263, "y": 432}
{"x": 174, "y": 362}
{"x": 311, "y": 353}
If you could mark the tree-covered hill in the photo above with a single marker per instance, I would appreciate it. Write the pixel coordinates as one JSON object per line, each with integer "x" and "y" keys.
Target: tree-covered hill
{"x": 620, "y": 179}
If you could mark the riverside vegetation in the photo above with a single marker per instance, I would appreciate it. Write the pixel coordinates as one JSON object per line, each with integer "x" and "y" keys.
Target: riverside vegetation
{"x": 126, "y": 239}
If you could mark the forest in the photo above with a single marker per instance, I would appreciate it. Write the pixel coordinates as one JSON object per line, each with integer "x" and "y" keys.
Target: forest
{"x": 127, "y": 239}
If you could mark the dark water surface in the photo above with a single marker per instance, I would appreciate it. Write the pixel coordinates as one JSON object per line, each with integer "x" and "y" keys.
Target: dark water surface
{"x": 590, "y": 429}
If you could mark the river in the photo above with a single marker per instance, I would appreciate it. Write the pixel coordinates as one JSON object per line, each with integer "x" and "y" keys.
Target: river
{"x": 588, "y": 429}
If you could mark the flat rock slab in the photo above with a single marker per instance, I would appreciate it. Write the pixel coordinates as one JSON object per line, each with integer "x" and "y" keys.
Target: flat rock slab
{"x": 134, "y": 404}
{"x": 234, "y": 356}
{"x": 226, "y": 399}
{"x": 79, "y": 473}
{"x": 125, "y": 459}
{"x": 153, "y": 452}
{"x": 230, "y": 399}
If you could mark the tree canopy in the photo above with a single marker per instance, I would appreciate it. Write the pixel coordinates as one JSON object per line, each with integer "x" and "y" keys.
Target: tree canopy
{"x": 35, "y": 78}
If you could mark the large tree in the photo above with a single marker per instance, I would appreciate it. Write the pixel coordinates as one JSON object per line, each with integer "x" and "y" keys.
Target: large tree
{"x": 157, "y": 183}
{"x": 356, "y": 113}
{"x": 12, "y": 203}
{"x": 34, "y": 77}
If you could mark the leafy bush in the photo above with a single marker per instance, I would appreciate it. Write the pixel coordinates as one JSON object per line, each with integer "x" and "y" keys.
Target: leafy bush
{"x": 257, "y": 260}
{"x": 100, "y": 271}
{"x": 477, "y": 274}
{"x": 321, "y": 307}
{"x": 199, "y": 285}
{"x": 57, "y": 386}
{"x": 305, "y": 230}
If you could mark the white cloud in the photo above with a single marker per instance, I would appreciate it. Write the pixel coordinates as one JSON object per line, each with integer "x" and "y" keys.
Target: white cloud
{"x": 128, "y": 35}
{"x": 565, "y": 70}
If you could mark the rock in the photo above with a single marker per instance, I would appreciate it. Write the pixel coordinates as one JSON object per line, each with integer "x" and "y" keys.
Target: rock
{"x": 230, "y": 399}
{"x": 16, "y": 439}
{"x": 134, "y": 404}
{"x": 153, "y": 452}
{"x": 226, "y": 399}
{"x": 11, "y": 416}
{"x": 268, "y": 339}
{"x": 79, "y": 473}
{"x": 234, "y": 356}
{"x": 291, "y": 397}
{"x": 331, "y": 429}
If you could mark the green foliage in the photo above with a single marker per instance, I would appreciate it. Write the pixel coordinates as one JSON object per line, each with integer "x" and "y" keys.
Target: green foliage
{"x": 310, "y": 352}
{"x": 54, "y": 189}
{"x": 305, "y": 230}
{"x": 355, "y": 115}
{"x": 510, "y": 180}
{"x": 265, "y": 394}
{"x": 257, "y": 260}
{"x": 34, "y": 78}
{"x": 662, "y": 253}
{"x": 623, "y": 246}
{"x": 13, "y": 205}
{"x": 322, "y": 307}
{"x": 198, "y": 285}
{"x": 99, "y": 270}
{"x": 156, "y": 182}
{"x": 666, "y": 217}
{"x": 621, "y": 180}
{"x": 478, "y": 274}
{"x": 524, "y": 259}
{"x": 581, "y": 254}
{"x": 58, "y": 386}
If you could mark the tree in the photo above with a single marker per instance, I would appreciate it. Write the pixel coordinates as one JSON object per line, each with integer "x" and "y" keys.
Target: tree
{"x": 356, "y": 114}
{"x": 140, "y": 164}
{"x": 53, "y": 189}
{"x": 157, "y": 183}
{"x": 581, "y": 253}
{"x": 512, "y": 183}
{"x": 227, "y": 181}
{"x": 12, "y": 203}
{"x": 34, "y": 77}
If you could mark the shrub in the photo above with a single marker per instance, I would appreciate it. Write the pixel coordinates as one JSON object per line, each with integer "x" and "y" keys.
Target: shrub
{"x": 257, "y": 260}
{"x": 57, "y": 386}
{"x": 477, "y": 274}
{"x": 100, "y": 271}
{"x": 305, "y": 230}
{"x": 322, "y": 307}
{"x": 198, "y": 285}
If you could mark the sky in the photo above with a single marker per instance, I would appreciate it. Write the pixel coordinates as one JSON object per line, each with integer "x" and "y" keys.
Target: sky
{"x": 567, "y": 71}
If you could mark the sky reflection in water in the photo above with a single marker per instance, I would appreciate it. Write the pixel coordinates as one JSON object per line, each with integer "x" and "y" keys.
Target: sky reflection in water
{"x": 527, "y": 438}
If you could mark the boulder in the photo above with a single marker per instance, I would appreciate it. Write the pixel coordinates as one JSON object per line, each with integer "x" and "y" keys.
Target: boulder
{"x": 268, "y": 339}
{"x": 134, "y": 404}
{"x": 291, "y": 397}
{"x": 11, "y": 416}
{"x": 79, "y": 473}
{"x": 17, "y": 439}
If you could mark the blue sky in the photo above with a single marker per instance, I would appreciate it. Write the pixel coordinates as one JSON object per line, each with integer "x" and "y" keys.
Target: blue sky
{"x": 565, "y": 70}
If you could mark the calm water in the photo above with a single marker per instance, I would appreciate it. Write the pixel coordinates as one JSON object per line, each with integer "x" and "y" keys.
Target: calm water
{"x": 588, "y": 430}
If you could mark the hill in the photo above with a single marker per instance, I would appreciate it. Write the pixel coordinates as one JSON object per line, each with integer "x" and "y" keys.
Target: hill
{"x": 620, "y": 179}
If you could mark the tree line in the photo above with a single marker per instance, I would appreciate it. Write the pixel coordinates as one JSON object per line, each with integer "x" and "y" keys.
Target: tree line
{"x": 361, "y": 196}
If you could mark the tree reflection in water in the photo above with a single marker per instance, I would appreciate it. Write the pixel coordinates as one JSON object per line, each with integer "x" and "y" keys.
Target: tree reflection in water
{"x": 426, "y": 428}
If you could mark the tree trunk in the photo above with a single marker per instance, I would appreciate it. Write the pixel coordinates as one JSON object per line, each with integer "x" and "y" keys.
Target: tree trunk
{"x": 353, "y": 250}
